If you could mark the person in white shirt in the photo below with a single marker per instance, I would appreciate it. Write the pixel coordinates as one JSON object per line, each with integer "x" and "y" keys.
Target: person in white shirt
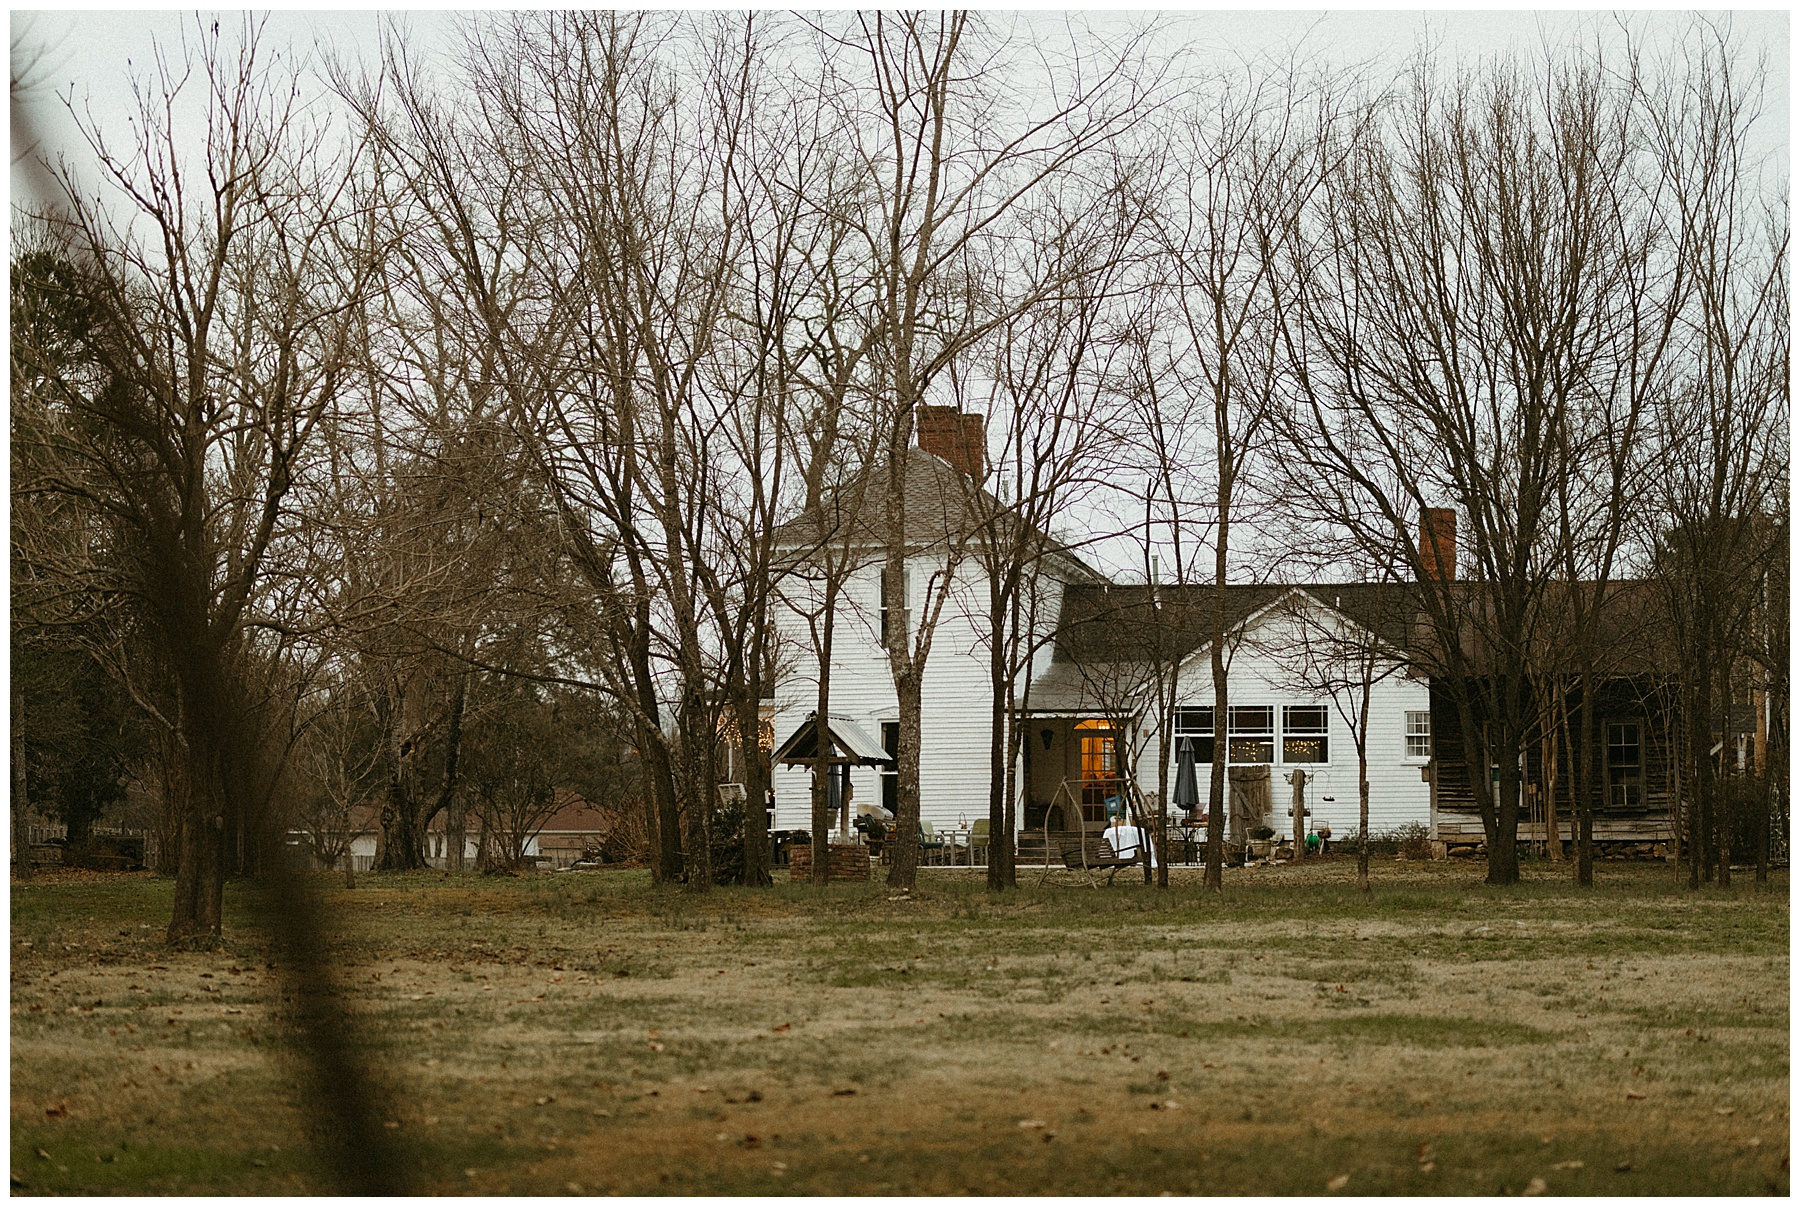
{"x": 1125, "y": 838}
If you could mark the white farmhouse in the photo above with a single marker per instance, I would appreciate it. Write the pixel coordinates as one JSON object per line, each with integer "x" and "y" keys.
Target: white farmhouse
{"x": 1113, "y": 659}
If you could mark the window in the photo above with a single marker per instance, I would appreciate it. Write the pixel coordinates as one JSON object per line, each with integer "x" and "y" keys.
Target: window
{"x": 1196, "y": 725}
{"x": 1252, "y": 734}
{"x": 1624, "y": 764}
{"x": 882, "y": 604}
{"x": 1303, "y": 734}
{"x": 890, "y": 775}
{"x": 1418, "y": 735}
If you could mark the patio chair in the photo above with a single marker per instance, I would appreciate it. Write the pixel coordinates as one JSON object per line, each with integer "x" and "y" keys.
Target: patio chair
{"x": 929, "y": 843}
{"x": 978, "y": 841}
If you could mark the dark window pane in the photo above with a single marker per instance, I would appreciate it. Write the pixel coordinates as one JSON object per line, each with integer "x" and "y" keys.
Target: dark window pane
{"x": 1303, "y": 719}
{"x": 1253, "y": 719}
{"x": 1193, "y": 720}
{"x": 1203, "y": 748}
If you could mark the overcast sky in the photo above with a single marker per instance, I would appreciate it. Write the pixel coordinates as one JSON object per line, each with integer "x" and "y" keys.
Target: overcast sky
{"x": 89, "y": 59}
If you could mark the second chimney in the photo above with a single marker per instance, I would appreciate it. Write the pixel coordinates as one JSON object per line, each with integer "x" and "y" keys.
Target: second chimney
{"x": 959, "y": 439}
{"x": 1437, "y": 543}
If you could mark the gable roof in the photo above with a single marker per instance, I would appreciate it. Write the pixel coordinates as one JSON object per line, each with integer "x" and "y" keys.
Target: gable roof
{"x": 1142, "y": 624}
{"x": 943, "y": 507}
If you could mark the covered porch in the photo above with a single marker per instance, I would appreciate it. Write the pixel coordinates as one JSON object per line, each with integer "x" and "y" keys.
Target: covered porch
{"x": 1074, "y": 765}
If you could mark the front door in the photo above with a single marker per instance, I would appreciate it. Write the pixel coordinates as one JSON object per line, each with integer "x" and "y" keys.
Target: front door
{"x": 1099, "y": 772}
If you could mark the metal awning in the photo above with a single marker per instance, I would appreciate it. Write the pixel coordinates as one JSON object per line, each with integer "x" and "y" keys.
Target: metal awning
{"x": 849, "y": 744}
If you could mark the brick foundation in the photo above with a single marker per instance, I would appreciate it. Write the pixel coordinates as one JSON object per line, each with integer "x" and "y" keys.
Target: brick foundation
{"x": 847, "y": 863}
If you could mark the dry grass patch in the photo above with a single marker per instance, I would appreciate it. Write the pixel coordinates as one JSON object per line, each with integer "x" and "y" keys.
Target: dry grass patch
{"x": 591, "y": 1030}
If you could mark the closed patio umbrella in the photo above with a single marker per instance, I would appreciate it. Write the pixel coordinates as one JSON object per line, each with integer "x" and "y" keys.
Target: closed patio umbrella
{"x": 1187, "y": 790}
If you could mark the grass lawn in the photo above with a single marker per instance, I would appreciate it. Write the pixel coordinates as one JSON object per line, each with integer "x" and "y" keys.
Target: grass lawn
{"x": 585, "y": 1031}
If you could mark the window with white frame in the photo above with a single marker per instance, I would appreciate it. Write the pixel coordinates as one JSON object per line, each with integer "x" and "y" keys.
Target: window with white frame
{"x": 1624, "y": 764}
{"x": 1418, "y": 735}
{"x": 882, "y": 604}
{"x": 1305, "y": 734}
{"x": 1196, "y": 725}
{"x": 1251, "y": 738}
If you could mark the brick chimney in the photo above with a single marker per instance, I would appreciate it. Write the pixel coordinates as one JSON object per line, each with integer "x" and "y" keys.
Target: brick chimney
{"x": 1437, "y": 543}
{"x": 959, "y": 439}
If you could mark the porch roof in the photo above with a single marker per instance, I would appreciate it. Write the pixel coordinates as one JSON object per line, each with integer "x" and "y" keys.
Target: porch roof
{"x": 845, "y": 735}
{"x": 1081, "y": 690}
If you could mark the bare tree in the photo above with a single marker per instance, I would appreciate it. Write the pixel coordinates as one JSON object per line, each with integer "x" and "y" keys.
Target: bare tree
{"x": 222, "y": 303}
{"x": 1344, "y": 657}
{"x": 1245, "y": 163}
{"x": 1053, "y": 420}
{"x": 1445, "y": 293}
{"x": 949, "y": 148}
{"x": 1720, "y": 426}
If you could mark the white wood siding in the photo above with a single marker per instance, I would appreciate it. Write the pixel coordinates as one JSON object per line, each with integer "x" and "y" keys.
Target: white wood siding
{"x": 956, "y": 696}
{"x": 1261, "y": 672}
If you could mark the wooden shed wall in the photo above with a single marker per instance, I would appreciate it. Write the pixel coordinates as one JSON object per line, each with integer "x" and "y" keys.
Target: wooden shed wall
{"x": 1456, "y": 816}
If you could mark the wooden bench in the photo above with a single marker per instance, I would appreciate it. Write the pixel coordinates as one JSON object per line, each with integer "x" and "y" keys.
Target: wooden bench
{"x": 1077, "y": 858}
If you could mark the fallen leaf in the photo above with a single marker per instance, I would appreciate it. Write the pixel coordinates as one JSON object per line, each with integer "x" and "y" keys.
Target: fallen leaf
{"x": 1339, "y": 1182}
{"x": 1536, "y": 1186}
{"x": 1633, "y": 1094}
{"x": 1427, "y": 1166}
{"x": 1033, "y": 1123}
{"x": 59, "y": 1111}
{"x": 1724, "y": 1110}
{"x": 655, "y": 1047}
{"x": 1569, "y": 1165}
{"x": 42, "y": 1155}
{"x": 846, "y": 1093}
{"x": 1622, "y": 1167}
{"x": 750, "y": 1142}
{"x": 546, "y": 1100}
{"x": 783, "y": 1027}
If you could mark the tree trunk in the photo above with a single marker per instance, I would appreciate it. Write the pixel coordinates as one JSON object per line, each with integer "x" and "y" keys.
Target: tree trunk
{"x": 456, "y": 837}
{"x": 1215, "y": 805}
{"x": 1018, "y": 762}
{"x": 197, "y": 919}
{"x": 1503, "y": 849}
{"x": 1552, "y": 778}
{"x": 997, "y": 760}
{"x": 1700, "y": 751}
{"x": 699, "y": 769}
{"x": 668, "y": 812}
{"x": 756, "y": 787}
{"x": 1727, "y": 794}
{"x": 20, "y": 833}
{"x": 1362, "y": 802}
{"x": 1774, "y": 767}
{"x": 452, "y": 752}
{"x": 1589, "y": 782}
{"x": 1673, "y": 731}
{"x": 821, "y": 769}
{"x": 905, "y": 845}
